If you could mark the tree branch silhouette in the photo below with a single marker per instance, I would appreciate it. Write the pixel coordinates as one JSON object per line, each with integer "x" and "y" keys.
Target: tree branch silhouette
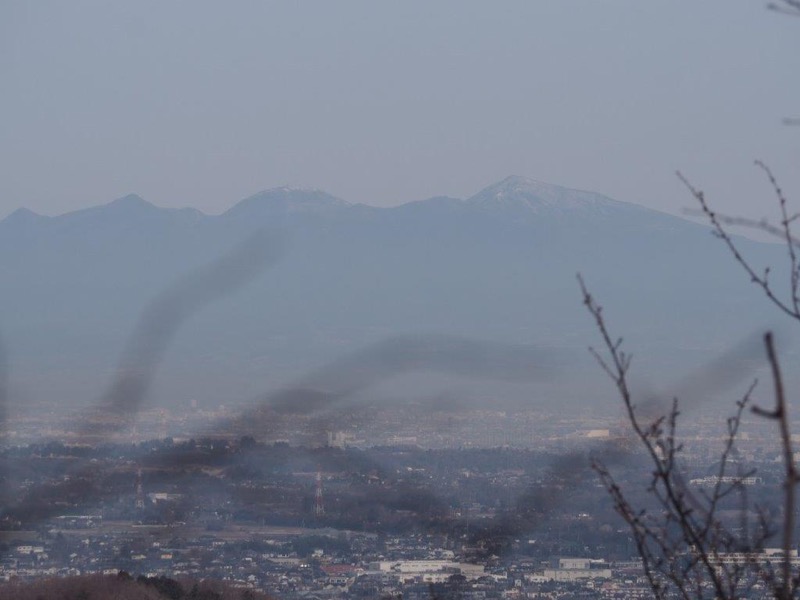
{"x": 686, "y": 546}
{"x": 789, "y": 306}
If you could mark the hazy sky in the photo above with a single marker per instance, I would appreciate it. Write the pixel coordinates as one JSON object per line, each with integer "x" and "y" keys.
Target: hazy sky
{"x": 203, "y": 103}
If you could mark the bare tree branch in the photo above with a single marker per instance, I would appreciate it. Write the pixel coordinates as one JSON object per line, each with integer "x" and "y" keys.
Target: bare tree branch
{"x": 790, "y": 307}
{"x": 790, "y": 473}
{"x": 686, "y": 545}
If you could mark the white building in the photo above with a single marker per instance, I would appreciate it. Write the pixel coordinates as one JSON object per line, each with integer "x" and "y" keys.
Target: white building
{"x": 576, "y": 569}
{"x": 428, "y": 571}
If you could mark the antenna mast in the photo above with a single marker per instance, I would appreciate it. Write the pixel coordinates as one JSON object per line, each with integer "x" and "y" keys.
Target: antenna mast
{"x": 319, "y": 506}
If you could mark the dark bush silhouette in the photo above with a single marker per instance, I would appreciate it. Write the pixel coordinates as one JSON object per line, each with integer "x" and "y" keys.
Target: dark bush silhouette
{"x": 123, "y": 587}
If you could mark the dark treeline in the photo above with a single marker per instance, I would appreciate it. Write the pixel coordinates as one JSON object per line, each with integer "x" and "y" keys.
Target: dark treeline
{"x": 123, "y": 587}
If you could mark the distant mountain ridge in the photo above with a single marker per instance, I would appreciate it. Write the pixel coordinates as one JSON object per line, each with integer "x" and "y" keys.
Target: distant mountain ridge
{"x": 499, "y": 266}
{"x": 512, "y": 192}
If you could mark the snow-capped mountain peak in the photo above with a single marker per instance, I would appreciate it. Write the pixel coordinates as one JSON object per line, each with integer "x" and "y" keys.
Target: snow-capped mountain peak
{"x": 523, "y": 193}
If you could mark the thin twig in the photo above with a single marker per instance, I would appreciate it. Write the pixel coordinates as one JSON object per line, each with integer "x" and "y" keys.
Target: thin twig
{"x": 762, "y": 280}
{"x": 786, "y": 224}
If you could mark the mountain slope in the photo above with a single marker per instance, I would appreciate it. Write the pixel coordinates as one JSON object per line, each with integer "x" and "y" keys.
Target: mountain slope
{"x": 499, "y": 266}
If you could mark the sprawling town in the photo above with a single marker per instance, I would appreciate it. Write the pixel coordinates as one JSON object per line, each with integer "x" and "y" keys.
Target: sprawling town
{"x": 393, "y": 503}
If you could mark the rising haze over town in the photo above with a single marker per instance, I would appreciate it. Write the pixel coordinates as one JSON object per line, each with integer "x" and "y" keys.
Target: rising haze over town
{"x": 399, "y": 300}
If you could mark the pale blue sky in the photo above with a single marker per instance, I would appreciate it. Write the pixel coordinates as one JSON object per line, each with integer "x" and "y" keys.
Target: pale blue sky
{"x": 203, "y": 103}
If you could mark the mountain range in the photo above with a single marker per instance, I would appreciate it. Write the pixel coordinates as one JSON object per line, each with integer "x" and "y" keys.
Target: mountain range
{"x": 499, "y": 266}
